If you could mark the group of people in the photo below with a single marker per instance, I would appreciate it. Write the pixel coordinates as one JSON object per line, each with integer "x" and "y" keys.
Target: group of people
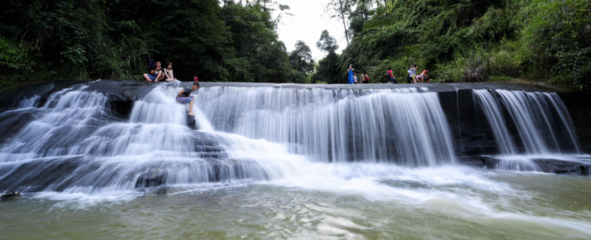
{"x": 414, "y": 78}
{"x": 157, "y": 73}
{"x": 411, "y": 78}
{"x": 353, "y": 76}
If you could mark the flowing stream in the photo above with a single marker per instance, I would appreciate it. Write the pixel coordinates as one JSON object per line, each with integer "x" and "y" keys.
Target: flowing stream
{"x": 283, "y": 163}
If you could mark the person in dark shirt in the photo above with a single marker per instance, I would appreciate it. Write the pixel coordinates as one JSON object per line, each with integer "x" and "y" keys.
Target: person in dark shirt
{"x": 151, "y": 63}
{"x": 159, "y": 72}
{"x": 184, "y": 96}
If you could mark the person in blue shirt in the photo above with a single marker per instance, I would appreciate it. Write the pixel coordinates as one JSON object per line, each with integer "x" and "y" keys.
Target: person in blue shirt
{"x": 351, "y": 73}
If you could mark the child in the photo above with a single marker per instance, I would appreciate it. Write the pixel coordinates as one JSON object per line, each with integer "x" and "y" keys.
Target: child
{"x": 168, "y": 72}
{"x": 355, "y": 77}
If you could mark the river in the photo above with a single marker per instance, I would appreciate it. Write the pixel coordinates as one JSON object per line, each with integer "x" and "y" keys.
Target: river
{"x": 290, "y": 163}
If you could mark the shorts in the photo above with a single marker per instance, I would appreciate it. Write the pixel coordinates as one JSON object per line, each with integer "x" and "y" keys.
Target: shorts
{"x": 184, "y": 99}
{"x": 152, "y": 77}
{"x": 420, "y": 77}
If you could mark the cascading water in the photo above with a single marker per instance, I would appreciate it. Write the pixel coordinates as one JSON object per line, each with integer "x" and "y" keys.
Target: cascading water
{"x": 285, "y": 162}
{"x": 495, "y": 118}
{"x": 542, "y": 122}
{"x": 533, "y": 113}
{"x": 76, "y": 145}
{"x": 405, "y": 126}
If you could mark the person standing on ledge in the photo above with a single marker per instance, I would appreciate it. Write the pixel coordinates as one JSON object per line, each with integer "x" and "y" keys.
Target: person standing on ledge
{"x": 184, "y": 97}
{"x": 351, "y": 71}
{"x": 365, "y": 77}
{"x": 391, "y": 78}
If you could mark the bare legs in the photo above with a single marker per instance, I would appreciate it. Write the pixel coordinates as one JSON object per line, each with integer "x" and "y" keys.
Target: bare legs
{"x": 160, "y": 77}
{"x": 191, "y": 108}
{"x": 147, "y": 78}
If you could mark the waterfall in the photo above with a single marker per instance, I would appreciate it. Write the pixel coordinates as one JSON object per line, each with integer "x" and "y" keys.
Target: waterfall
{"x": 77, "y": 142}
{"x": 29, "y": 103}
{"x": 497, "y": 122}
{"x": 77, "y": 145}
{"x": 405, "y": 126}
{"x": 542, "y": 121}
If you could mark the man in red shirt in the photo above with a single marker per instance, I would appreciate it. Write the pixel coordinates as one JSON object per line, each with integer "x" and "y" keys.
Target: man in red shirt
{"x": 391, "y": 78}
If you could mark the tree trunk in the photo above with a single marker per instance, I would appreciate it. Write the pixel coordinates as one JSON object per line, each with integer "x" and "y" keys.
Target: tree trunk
{"x": 342, "y": 10}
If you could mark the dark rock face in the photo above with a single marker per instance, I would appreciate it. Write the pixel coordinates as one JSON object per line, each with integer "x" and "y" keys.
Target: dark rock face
{"x": 10, "y": 196}
{"x": 578, "y": 104}
{"x": 469, "y": 126}
{"x": 473, "y": 134}
{"x": 563, "y": 167}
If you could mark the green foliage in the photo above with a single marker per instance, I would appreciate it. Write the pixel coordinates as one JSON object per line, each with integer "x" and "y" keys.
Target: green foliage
{"x": 557, "y": 34}
{"x": 469, "y": 40}
{"x": 301, "y": 58}
{"x": 327, "y": 68}
{"x": 327, "y": 43}
{"x": 90, "y": 39}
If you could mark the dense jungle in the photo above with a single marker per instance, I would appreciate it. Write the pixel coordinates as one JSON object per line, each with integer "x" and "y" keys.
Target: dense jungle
{"x": 237, "y": 41}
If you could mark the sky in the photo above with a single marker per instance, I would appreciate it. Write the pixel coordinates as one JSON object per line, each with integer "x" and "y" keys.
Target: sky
{"x": 307, "y": 23}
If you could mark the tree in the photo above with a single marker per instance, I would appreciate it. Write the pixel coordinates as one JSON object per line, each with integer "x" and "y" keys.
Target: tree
{"x": 327, "y": 69}
{"x": 327, "y": 43}
{"x": 301, "y": 58}
{"x": 340, "y": 9}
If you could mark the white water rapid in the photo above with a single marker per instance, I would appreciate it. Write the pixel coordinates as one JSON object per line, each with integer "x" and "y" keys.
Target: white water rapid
{"x": 405, "y": 126}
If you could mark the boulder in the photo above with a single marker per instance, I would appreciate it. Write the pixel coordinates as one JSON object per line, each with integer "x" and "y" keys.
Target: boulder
{"x": 556, "y": 166}
{"x": 10, "y": 196}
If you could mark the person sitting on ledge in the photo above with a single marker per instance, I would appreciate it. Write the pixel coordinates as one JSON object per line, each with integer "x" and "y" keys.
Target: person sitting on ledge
{"x": 184, "y": 97}
{"x": 169, "y": 74}
{"x": 151, "y": 76}
{"x": 159, "y": 72}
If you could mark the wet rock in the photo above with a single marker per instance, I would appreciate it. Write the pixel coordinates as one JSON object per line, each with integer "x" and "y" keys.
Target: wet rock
{"x": 120, "y": 107}
{"x": 10, "y": 196}
{"x": 163, "y": 190}
{"x": 471, "y": 161}
{"x": 563, "y": 167}
{"x": 154, "y": 180}
{"x": 191, "y": 122}
{"x": 556, "y": 166}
